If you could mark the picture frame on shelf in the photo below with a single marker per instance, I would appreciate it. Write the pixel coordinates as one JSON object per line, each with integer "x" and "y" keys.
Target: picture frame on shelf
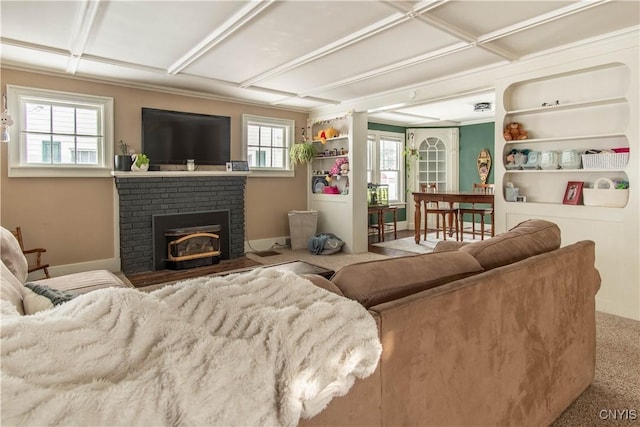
{"x": 573, "y": 193}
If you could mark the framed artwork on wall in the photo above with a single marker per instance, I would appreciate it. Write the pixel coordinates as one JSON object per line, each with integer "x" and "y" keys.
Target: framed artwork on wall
{"x": 573, "y": 193}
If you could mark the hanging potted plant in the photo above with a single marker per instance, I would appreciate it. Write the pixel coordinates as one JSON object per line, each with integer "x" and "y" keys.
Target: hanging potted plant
{"x": 123, "y": 161}
{"x": 302, "y": 153}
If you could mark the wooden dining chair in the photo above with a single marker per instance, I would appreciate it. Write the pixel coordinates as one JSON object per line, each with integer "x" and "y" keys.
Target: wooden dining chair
{"x": 38, "y": 265}
{"x": 440, "y": 210}
{"x": 478, "y": 210}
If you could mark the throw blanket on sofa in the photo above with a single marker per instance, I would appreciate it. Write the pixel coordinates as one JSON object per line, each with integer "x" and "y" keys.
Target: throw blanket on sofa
{"x": 260, "y": 348}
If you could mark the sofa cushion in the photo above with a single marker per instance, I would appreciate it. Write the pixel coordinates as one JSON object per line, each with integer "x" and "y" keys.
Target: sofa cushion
{"x": 375, "y": 282}
{"x": 11, "y": 289}
{"x": 529, "y": 238}
{"x": 12, "y": 255}
{"x": 83, "y": 282}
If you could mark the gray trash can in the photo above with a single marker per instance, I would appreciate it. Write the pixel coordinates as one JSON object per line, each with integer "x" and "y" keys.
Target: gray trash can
{"x": 302, "y": 225}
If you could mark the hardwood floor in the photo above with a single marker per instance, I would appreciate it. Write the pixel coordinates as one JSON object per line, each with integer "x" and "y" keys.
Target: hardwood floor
{"x": 154, "y": 277}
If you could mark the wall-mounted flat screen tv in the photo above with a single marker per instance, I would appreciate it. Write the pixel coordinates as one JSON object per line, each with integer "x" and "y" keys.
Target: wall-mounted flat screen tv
{"x": 172, "y": 137}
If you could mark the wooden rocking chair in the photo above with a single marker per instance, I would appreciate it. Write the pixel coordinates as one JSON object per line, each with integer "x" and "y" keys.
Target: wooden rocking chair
{"x": 38, "y": 257}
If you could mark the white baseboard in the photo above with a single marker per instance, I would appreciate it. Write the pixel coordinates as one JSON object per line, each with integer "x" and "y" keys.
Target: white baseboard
{"x": 264, "y": 244}
{"x": 111, "y": 264}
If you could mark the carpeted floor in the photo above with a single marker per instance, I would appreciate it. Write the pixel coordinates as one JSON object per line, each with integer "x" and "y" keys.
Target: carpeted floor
{"x": 616, "y": 386}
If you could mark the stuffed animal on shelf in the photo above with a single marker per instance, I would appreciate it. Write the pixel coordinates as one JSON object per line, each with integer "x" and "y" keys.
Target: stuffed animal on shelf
{"x": 514, "y": 131}
{"x": 331, "y": 133}
{"x": 340, "y": 167}
{"x": 324, "y": 134}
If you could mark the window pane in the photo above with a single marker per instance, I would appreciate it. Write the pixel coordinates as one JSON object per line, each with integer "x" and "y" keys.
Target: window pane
{"x": 38, "y": 117}
{"x": 67, "y": 147}
{"x": 87, "y": 122}
{"x": 391, "y": 178}
{"x": 87, "y": 150}
{"x": 63, "y": 119}
{"x": 278, "y": 137}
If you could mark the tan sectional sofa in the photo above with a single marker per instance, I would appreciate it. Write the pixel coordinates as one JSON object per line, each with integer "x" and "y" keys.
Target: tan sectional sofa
{"x": 497, "y": 332}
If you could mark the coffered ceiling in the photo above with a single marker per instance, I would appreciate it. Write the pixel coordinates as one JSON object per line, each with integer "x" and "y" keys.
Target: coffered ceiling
{"x": 304, "y": 55}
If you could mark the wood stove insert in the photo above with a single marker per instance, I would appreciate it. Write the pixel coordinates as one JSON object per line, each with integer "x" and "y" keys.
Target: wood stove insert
{"x": 192, "y": 247}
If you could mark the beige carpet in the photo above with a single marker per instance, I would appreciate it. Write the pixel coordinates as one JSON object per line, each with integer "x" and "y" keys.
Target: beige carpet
{"x": 616, "y": 386}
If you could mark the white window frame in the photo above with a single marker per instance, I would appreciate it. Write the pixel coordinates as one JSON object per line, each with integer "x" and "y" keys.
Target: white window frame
{"x": 18, "y": 167}
{"x": 375, "y": 136}
{"x": 289, "y": 125}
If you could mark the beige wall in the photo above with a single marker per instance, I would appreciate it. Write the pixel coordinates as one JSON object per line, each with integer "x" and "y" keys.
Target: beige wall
{"x": 73, "y": 218}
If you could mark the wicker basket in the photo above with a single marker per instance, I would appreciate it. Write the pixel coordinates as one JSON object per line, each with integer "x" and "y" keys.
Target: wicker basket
{"x": 605, "y": 161}
{"x": 608, "y": 197}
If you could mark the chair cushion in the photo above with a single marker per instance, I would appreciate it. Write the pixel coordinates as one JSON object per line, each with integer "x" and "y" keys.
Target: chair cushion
{"x": 375, "y": 282}
{"x": 12, "y": 255}
{"x": 529, "y": 238}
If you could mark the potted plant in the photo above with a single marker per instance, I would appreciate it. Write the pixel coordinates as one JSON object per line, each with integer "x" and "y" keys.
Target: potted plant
{"x": 140, "y": 162}
{"x": 302, "y": 153}
{"x": 123, "y": 161}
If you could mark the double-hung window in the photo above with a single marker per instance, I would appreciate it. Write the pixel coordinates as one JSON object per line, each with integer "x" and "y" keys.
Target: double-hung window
{"x": 385, "y": 162}
{"x": 59, "y": 133}
{"x": 266, "y": 145}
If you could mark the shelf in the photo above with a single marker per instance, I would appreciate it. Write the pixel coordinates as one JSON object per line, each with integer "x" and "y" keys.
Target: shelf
{"x": 330, "y": 157}
{"x": 335, "y": 138}
{"x": 567, "y": 138}
{"x": 570, "y": 106}
{"x": 561, "y": 170}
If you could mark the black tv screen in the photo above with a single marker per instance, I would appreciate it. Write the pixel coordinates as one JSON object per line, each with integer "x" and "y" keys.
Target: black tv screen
{"x": 172, "y": 137}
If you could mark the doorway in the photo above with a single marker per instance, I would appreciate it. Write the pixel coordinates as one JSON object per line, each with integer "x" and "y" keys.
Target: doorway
{"x": 437, "y": 162}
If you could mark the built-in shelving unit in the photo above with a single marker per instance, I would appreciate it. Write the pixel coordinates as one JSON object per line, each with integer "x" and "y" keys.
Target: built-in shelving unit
{"x": 560, "y": 113}
{"x": 340, "y": 198}
{"x": 590, "y": 104}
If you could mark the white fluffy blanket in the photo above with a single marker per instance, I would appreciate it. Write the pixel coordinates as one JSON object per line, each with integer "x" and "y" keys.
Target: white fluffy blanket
{"x": 260, "y": 348}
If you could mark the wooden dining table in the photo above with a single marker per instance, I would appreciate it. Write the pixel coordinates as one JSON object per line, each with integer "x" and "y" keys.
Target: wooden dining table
{"x": 448, "y": 197}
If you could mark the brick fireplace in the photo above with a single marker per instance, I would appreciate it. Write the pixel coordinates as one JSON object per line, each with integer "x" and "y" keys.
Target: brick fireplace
{"x": 145, "y": 196}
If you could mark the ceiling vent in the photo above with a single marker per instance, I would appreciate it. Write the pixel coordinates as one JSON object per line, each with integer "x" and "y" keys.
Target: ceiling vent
{"x": 481, "y": 107}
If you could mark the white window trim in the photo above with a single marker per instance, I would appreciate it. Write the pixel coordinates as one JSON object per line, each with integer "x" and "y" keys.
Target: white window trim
{"x": 288, "y": 171}
{"x": 377, "y": 134}
{"x": 17, "y": 168}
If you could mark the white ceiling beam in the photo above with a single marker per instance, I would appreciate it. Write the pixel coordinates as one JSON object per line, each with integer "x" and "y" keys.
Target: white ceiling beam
{"x": 554, "y": 15}
{"x": 233, "y": 24}
{"x": 391, "y": 68}
{"x": 81, "y": 32}
{"x": 342, "y": 43}
{"x": 405, "y": 14}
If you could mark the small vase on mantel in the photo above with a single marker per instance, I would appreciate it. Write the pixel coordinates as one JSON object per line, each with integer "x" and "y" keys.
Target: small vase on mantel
{"x": 140, "y": 163}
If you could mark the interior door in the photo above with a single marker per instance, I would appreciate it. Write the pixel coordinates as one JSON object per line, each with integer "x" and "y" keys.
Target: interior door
{"x": 437, "y": 162}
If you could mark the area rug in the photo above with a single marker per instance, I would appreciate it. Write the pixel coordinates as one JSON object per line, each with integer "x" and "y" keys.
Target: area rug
{"x": 333, "y": 262}
{"x": 408, "y": 244}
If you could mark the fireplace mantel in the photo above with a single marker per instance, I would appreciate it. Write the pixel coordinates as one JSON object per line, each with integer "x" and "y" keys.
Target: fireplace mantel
{"x": 176, "y": 174}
